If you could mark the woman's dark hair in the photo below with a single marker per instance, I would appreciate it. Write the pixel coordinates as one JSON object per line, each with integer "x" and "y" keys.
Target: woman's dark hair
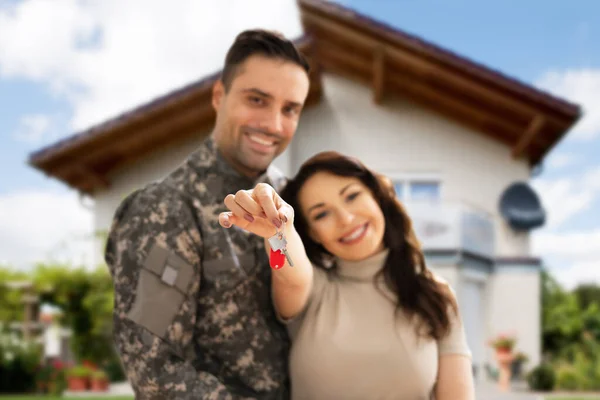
{"x": 405, "y": 272}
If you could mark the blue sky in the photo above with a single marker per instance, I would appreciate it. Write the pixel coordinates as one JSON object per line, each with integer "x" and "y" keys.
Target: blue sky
{"x": 51, "y": 85}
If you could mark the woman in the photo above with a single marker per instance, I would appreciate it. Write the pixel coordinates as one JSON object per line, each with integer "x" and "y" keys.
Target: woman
{"x": 366, "y": 317}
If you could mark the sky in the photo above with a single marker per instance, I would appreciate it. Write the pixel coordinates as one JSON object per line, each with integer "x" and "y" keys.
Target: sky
{"x": 68, "y": 64}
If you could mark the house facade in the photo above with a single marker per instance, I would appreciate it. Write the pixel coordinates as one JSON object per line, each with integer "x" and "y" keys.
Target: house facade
{"x": 451, "y": 134}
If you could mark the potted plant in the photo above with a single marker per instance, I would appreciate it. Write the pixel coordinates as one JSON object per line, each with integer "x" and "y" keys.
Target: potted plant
{"x": 517, "y": 364}
{"x": 504, "y": 343}
{"x": 78, "y": 378}
{"x": 99, "y": 381}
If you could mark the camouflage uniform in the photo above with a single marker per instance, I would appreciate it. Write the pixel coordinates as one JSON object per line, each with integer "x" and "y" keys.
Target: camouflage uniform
{"x": 193, "y": 316}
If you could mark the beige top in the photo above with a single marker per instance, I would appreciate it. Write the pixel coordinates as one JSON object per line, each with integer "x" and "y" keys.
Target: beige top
{"x": 348, "y": 344}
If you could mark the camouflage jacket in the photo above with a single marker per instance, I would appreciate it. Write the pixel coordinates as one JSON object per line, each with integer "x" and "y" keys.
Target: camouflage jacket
{"x": 193, "y": 317}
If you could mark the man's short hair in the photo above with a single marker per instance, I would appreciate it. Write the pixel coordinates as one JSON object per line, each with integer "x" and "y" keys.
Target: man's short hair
{"x": 259, "y": 42}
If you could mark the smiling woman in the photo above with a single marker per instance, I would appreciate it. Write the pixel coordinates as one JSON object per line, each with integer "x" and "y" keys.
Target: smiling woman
{"x": 359, "y": 301}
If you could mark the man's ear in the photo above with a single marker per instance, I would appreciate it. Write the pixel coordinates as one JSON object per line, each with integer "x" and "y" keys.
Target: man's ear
{"x": 218, "y": 92}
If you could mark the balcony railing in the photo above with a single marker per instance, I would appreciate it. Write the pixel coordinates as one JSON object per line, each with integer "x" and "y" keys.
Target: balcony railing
{"x": 453, "y": 226}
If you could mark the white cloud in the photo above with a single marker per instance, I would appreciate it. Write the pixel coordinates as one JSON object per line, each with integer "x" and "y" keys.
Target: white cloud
{"x": 43, "y": 226}
{"x": 564, "y": 198}
{"x": 32, "y": 128}
{"x": 106, "y": 57}
{"x": 557, "y": 161}
{"x": 581, "y": 86}
{"x": 573, "y": 257}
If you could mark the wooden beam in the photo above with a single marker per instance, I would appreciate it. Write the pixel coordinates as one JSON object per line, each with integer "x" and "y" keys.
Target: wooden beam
{"x": 165, "y": 125}
{"x": 113, "y": 130}
{"x": 426, "y": 69}
{"x": 528, "y": 136}
{"x": 378, "y": 74}
{"x": 337, "y": 61}
{"x": 96, "y": 179}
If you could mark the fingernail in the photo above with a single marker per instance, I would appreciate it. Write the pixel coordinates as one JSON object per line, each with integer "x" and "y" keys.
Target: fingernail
{"x": 277, "y": 222}
{"x": 249, "y": 218}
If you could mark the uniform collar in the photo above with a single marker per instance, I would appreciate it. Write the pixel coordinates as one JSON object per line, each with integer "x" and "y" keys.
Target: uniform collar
{"x": 207, "y": 161}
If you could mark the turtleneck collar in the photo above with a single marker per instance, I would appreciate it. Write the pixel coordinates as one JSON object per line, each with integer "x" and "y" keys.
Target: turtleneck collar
{"x": 362, "y": 270}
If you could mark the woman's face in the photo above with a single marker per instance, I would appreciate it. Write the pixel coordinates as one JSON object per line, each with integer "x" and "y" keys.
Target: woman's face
{"x": 342, "y": 215}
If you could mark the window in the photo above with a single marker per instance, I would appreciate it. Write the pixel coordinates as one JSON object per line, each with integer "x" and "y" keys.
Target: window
{"x": 417, "y": 189}
{"x": 424, "y": 191}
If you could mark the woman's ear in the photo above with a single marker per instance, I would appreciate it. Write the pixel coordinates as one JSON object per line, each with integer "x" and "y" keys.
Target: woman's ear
{"x": 313, "y": 236}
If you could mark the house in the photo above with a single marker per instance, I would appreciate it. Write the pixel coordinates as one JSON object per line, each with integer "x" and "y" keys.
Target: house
{"x": 455, "y": 136}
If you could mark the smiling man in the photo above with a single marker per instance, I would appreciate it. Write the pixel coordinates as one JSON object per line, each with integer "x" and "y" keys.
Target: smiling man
{"x": 193, "y": 317}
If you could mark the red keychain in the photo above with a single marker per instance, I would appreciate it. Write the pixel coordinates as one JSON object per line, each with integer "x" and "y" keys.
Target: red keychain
{"x": 276, "y": 259}
{"x": 278, "y": 253}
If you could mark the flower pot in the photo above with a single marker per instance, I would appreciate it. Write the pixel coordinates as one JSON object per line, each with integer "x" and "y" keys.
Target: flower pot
{"x": 77, "y": 384}
{"x": 99, "y": 385}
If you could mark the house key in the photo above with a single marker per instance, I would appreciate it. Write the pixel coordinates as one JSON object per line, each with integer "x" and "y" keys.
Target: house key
{"x": 279, "y": 252}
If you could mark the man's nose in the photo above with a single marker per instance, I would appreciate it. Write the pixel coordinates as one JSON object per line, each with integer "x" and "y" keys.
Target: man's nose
{"x": 273, "y": 122}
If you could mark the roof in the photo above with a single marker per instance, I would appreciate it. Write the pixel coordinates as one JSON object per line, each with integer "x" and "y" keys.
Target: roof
{"x": 341, "y": 41}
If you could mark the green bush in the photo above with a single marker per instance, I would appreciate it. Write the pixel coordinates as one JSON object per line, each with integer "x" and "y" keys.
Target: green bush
{"x": 567, "y": 379}
{"x": 542, "y": 378}
{"x": 18, "y": 363}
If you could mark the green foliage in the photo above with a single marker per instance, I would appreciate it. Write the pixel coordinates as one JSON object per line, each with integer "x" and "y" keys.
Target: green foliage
{"x": 542, "y": 378}
{"x": 10, "y": 306}
{"x": 587, "y": 294}
{"x": 18, "y": 362}
{"x": 571, "y": 334}
{"x": 79, "y": 371}
{"x": 86, "y": 301}
{"x": 51, "y": 378}
{"x": 567, "y": 378}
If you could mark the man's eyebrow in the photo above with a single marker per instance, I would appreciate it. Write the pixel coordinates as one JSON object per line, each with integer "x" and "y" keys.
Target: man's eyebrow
{"x": 258, "y": 92}
{"x": 270, "y": 96}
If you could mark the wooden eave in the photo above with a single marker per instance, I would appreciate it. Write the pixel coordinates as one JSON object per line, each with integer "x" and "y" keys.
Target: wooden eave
{"x": 342, "y": 42}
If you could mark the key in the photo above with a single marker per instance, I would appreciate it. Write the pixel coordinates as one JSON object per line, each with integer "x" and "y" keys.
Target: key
{"x": 277, "y": 241}
{"x": 278, "y": 245}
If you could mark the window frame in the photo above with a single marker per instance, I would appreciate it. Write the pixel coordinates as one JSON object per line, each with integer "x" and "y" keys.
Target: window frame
{"x": 407, "y": 178}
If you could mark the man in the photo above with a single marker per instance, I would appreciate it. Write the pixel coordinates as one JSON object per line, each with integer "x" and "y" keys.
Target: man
{"x": 193, "y": 316}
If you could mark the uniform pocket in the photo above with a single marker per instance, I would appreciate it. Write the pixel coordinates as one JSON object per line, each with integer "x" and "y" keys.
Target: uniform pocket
{"x": 161, "y": 289}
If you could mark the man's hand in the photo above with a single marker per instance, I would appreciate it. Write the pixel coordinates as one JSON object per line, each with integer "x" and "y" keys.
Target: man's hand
{"x": 259, "y": 211}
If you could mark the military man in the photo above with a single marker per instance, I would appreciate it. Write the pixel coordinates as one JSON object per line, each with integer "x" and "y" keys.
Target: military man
{"x": 193, "y": 317}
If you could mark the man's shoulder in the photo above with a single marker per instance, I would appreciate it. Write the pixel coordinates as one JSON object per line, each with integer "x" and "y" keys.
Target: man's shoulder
{"x": 158, "y": 206}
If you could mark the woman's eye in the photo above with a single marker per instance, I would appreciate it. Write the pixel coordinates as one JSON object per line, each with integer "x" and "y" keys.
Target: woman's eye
{"x": 353, "y": 196}
{"x": 320, "y": 215}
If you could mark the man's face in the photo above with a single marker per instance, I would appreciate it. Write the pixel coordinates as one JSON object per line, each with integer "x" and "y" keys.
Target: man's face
{"x": 258, "y": 116}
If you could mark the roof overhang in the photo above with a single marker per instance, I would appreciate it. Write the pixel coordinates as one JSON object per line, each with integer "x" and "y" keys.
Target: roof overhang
{"x": 343, "y": 42}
